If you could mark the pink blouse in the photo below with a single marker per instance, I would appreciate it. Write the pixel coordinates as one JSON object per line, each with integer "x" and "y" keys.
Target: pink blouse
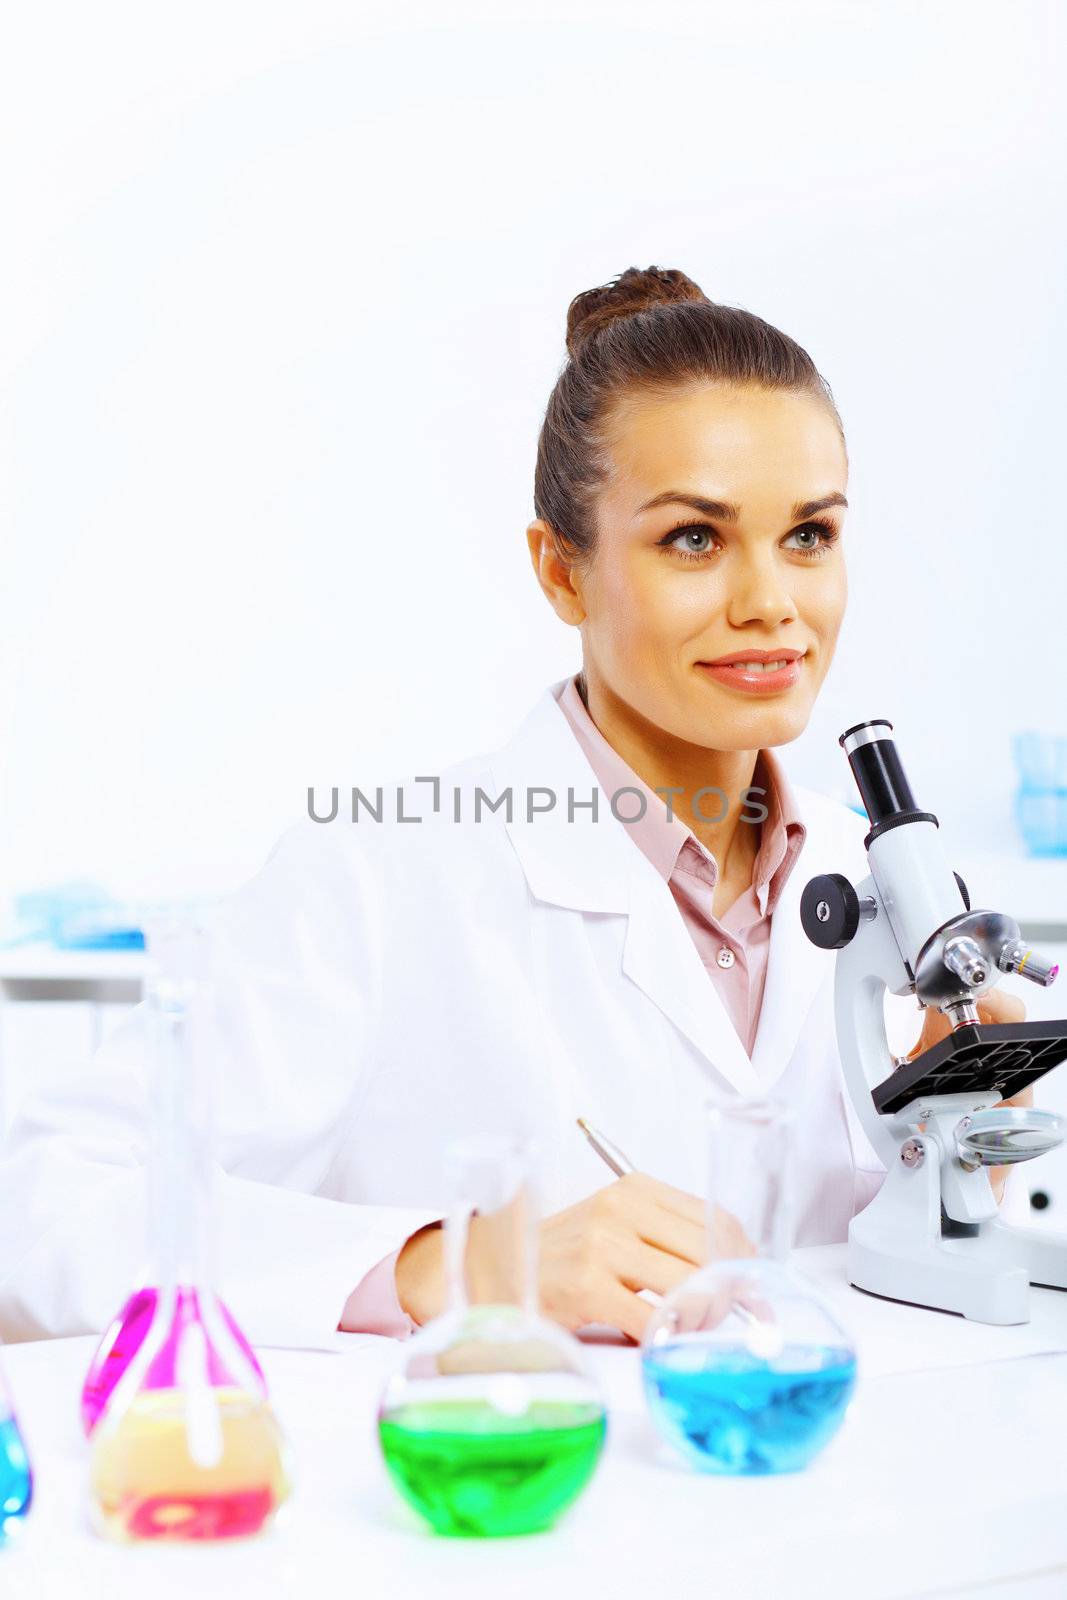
{"x": 733, "y": 947}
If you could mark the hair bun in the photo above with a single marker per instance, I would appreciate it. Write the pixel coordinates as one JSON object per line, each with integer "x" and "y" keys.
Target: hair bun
{"x": 636, "y": 289}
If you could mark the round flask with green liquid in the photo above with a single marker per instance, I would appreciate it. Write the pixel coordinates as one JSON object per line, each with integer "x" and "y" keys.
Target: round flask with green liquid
{"x": 492, "y": 1425}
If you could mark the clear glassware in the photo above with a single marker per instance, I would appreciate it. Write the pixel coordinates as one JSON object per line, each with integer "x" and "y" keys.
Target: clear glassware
{"x": 492, "y": 1423}
{"x": 745, "y": 1369}
{"x": 186, "y": 1446}
{"x": 172, "y": 942}
{"x": 16, "y": 1477}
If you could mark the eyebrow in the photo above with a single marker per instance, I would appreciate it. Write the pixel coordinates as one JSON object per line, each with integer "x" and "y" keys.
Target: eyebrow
{"x": 725, "y": 512}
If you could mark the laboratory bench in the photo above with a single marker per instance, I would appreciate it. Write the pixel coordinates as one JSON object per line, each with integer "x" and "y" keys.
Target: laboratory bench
{"x": 946, "y": 1479}
{"x": 56, "y": 1008}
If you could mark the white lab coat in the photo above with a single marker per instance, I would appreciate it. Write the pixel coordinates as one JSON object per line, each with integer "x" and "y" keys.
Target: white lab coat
{"x": 386, "y": 987}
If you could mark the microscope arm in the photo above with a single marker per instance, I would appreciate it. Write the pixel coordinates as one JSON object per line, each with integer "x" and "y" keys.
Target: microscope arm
{"x": 866, "y": 967}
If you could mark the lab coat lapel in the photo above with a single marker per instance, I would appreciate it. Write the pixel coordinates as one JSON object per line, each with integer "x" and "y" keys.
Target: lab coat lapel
{"x": 795, "y": 968}
{"x": 581, "y": 864}
{"x": 596, "y": 866}
{"x": 660, "y": 956}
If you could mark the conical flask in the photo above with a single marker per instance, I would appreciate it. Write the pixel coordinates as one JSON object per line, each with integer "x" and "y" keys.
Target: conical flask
{"x": 16, "y": 1478}
{"x": 170, "y": 945}
{"x": 187, "y": 1447}
{"x": 745, "y": 1368}
{"x": 492, "y": 1423}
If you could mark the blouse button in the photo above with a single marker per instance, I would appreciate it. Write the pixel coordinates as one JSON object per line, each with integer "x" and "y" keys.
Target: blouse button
{"x": 725, "y": 957}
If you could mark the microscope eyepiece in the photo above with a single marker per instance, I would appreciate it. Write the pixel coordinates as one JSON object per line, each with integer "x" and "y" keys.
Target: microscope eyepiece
{"x": 880, "y": 777}
{"x": 863, "y": 733}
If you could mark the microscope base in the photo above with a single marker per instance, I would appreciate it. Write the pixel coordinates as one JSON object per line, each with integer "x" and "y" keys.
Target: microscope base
{"x": 896, "y": 1249}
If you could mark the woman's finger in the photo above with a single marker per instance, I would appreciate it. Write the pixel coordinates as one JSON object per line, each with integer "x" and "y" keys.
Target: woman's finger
{"x": 664, "y": 1217}
{"x": 678, "y": 1236}
{"x": 622, "y": 1309}
{"x": 640, "y": 1266}
{"x": 995, "y": 1006}
{"x": 999, "y": 1006}
{"x": 675, "y": 1200}
{"x": 729, "y": 1238}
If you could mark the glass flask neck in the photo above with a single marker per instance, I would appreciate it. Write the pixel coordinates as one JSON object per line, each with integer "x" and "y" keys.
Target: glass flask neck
{"x": 491, "y": 1227}
{"x": 180, "y": 1171}
{"x": 750, "y": 1179}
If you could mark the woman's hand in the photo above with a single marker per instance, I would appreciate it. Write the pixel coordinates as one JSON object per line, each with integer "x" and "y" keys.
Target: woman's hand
{"x": 996, "y": 1006}
{"x": 636, "y": 1233}
{"x": 594, "y": 1257}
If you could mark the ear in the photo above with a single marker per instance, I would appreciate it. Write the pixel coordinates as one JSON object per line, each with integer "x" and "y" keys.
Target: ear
{"x": 555, "y": 574}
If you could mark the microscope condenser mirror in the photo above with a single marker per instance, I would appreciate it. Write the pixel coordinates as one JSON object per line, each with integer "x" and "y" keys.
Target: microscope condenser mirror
{"x": 1005, "y": 1134}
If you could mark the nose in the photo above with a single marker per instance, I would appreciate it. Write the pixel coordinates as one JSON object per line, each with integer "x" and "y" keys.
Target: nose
{"x": 759, "y": 593}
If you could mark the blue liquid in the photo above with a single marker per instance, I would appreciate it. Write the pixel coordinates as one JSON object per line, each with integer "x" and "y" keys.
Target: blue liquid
{"x": 16, "y": 1480}
{"x": 728, "y": 1411}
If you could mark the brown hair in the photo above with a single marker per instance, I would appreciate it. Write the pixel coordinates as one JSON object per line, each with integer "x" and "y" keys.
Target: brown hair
{"x": 651, "y": 329}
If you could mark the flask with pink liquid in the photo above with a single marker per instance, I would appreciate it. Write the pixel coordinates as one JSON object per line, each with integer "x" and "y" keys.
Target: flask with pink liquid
{"x": 184, "y": 1444}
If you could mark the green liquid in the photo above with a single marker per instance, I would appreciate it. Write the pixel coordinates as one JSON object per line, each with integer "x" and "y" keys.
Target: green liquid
{"x": 471, "y": 1470}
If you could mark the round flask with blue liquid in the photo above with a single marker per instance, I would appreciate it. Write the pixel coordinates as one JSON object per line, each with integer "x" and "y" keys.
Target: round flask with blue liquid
{"x": 746, "y": 1370}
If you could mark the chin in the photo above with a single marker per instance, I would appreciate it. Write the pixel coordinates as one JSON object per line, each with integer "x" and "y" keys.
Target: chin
{"x": 760, "y": 726}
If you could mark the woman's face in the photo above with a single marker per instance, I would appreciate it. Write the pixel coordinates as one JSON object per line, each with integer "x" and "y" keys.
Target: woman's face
{"x": 714, "y": 598}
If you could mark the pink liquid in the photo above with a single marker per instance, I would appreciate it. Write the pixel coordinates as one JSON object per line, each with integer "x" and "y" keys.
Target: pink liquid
{"x": 201, "y": 1516}
{"x": 145, "y": 1484}
{"x": 125, "y": 1337}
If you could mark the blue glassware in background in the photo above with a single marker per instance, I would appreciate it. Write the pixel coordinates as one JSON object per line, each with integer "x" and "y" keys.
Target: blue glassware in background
{"x": 1041, "y": 798}
{"x": 75, "y": 915}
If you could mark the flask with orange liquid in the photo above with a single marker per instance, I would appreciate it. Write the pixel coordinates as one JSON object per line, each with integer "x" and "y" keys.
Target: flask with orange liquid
{"x": 186, "y": 1446}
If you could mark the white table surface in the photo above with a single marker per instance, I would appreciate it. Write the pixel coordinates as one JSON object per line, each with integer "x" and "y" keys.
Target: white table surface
{"x": 948, "y": 1474}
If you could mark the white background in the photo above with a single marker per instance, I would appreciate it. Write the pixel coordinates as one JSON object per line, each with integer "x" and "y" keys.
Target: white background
{"x": 285, "y": 296}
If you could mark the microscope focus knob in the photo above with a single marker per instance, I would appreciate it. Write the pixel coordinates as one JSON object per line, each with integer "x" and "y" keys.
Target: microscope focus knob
{"x": 830, "y": 911}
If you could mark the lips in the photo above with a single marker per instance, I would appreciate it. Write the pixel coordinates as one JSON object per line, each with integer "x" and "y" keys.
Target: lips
{"x": 756, "y": 671}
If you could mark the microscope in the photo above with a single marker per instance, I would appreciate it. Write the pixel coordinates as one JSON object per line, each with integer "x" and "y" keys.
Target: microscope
{"x": 933, "y": 1234}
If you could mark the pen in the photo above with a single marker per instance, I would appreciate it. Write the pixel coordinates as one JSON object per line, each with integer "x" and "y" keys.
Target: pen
{"x": 608, "y": 1152}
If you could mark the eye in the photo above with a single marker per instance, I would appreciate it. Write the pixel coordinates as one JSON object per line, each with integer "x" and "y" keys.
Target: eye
{"x": 813, "y": 539}
{"x": 687, "y": 533}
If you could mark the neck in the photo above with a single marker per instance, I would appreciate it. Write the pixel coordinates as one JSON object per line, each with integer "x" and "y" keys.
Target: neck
{"x": 704, "y": 783}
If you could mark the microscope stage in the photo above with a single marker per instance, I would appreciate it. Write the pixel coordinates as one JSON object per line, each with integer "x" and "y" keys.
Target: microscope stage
{"x": 977, "y": 1058}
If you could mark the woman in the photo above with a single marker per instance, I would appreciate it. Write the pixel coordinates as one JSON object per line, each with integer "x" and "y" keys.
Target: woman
{"x": 600, "y": 919}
